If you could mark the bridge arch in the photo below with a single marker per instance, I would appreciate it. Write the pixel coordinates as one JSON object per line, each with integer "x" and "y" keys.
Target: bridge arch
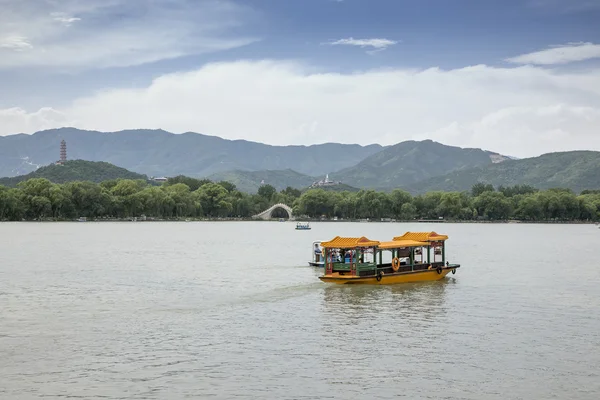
{"x": 268, "y": 213}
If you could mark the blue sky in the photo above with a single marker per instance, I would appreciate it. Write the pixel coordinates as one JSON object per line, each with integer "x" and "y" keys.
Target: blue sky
{"x": 67, "y": 62}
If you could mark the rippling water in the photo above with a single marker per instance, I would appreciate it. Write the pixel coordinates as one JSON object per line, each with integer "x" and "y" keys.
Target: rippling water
{"x": 231, "y": 310}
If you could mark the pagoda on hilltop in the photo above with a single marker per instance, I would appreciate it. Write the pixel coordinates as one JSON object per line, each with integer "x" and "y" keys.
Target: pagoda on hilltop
{"x": 63, "y": 152}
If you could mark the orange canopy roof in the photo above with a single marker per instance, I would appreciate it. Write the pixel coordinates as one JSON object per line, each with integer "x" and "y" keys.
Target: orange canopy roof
{"x": 349, "y": 243}
{"x": 399, "y": 244}
{"x": 422, "y": 236}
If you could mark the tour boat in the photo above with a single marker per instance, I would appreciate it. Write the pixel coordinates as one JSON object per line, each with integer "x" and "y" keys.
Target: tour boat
{"x": 317, "y": 259}
{"x": 302, "y": 226}
{"x": 415, "y": 257}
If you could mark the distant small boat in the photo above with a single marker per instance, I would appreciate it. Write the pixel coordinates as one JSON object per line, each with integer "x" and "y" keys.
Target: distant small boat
{"x": 302, "y": 226}
{"x": 82, "y": 219}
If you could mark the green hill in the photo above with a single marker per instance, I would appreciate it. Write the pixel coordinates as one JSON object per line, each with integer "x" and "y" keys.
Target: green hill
{"x": 575, "y": 170}
{"x": 250, "y": 181}
{"x": 76, "y": 170}
{"x": 410, "y": 162}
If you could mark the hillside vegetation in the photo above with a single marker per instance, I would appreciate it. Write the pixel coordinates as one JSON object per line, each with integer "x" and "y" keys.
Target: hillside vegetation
{"x": 575, "y": 170}
{"x": 410, "y": 162}
{"x": 76, "y": 170}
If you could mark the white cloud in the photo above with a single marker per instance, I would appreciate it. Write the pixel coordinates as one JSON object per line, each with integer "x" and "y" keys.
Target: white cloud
{"x": 17, "y": 120}
{"x": 64, "y": 18}
{"x": 15, "y": 43}
{"x": 563, "y": 54}
{"x": 376, "y": 43}
{"x": 114, "y": 33}
{"x": 520, "y": 111}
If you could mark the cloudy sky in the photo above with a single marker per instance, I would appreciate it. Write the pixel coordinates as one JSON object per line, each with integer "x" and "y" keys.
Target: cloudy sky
{"x": 521, "y": 77}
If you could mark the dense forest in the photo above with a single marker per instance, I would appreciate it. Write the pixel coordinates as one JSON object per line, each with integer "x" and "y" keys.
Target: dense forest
{"x": 184, "y": 197}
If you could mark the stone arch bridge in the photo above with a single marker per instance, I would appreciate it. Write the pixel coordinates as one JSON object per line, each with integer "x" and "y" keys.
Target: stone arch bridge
{"x": 267, "y": 214}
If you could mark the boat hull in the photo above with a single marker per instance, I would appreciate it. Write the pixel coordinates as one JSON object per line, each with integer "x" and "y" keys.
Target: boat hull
{"x": 316, "y": 264}
{"x": 390, "y": 279}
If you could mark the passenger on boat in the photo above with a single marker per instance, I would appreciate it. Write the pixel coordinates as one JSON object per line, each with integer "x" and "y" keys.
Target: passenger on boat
{"x": 317, "y": 253}
{"x": 349, "y": 256}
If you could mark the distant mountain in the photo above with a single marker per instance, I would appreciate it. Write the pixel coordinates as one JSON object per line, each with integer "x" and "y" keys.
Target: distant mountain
{"x": 77, "y": 170}
{"x": 160, "y": 153}
{"x": 410, "y": 162}
{"x": 576, "y": 170}
{"x": 250, "y": 181}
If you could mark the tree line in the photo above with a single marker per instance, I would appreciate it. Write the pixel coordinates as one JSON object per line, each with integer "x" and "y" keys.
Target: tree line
{"x": 185, "y": 197}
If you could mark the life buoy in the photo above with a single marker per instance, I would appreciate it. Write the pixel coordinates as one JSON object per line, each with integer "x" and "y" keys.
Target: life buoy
{"x": 379, "y": 276}
{"x": 454, "y": 271}
{"x": 395, "y": 264}
{"x": 439, "y": 270}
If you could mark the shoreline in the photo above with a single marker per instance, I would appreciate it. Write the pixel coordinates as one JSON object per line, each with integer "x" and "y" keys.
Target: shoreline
{"x": 50, "y": 220}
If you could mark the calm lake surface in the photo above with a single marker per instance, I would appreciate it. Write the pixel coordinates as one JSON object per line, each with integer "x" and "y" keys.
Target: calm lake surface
{"x": 232, "y": 310}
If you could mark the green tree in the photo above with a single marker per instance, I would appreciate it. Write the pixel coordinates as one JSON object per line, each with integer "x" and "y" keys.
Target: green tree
{"x": 408, "y": 211}
{"x": 267, "y": 192}
{"x": 493, "y": 206}
{"x": 511, "y": 191}
{"x": 60, "y": 200}
{"x": 315, "y": 202}
{"x": 12, "y": 205}
{"x": 230, "y": 187}
{"x": 193, "y": 183}
{"x": 87, "y": 199}
{"x": 183, "y": 201}
{"x": 530, "y": 208}
{"x": 398, "y": 199}
{"x": 291, "y": 192}
{"x": 214, "y": 200}
{"x": 427, "y": 204}
{"x": 347, "y": 205}
{"x": 480, "y": 188}
{"x": 36, "y": 196}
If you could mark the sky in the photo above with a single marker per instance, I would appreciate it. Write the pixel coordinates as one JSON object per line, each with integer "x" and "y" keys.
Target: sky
{"x": 519, "y": 77}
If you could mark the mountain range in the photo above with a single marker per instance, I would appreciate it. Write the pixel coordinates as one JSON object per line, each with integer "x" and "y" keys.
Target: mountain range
{"x": 410, "y": 162}
{"x": 416, "y": 166}
{"x": 160, "y": 153}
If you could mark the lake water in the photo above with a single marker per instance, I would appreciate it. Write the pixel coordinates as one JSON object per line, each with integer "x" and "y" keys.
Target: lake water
{"x": 232, "y": 310}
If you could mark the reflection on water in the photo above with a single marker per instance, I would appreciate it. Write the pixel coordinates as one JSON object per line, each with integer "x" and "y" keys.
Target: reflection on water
{"x": 170, "y": 311}
{"x": 422, "y": 297}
